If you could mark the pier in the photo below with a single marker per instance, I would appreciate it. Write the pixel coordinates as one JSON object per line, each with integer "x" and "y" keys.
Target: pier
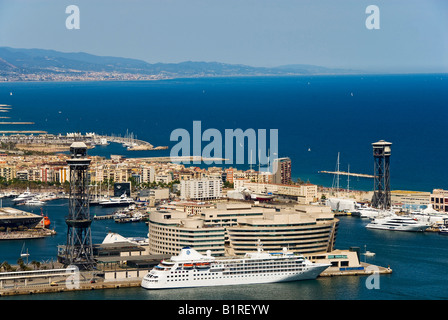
{"x": 361, "y": 175}
{"x": 104, "y": 217}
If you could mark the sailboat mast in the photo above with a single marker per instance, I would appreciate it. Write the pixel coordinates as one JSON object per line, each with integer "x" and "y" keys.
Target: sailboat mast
{"x": 348, "y": 179}
{"x": 337, "y": 175}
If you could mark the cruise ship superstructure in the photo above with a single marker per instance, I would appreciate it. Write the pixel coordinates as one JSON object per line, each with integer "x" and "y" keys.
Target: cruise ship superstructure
{"x": 192, "y": 269}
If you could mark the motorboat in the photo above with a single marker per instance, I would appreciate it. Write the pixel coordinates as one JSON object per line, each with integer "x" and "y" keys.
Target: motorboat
{"x": 397, "y": 223}
{"x": 121, "y": 201}
{"x": 25, "y": 196}
{"x": 443, "y": 230}
{"x": 34, "y": 202}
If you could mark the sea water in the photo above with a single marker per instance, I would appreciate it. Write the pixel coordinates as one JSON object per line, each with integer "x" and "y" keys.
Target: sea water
{"x": 317, "y": 117}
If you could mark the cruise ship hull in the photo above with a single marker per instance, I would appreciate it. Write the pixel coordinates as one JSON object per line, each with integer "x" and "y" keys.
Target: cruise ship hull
{"x": 192, "y": 280}
{"x": 416, "y": 228}
{"x": 191, "y": 269}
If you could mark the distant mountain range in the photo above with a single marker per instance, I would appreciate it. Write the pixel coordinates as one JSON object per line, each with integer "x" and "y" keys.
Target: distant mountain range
{"x": 50, "y": 65}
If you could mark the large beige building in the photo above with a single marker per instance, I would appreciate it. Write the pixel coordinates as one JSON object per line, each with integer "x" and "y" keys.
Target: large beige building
{"x": 305, "y": 229}
{"x": 235, "y": 229}
{"x": 171, "y": 230}
{"x": 303, "y": 194}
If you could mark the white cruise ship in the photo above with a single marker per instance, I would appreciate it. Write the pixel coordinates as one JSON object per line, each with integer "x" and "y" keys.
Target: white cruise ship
{"x": 397, "y": 223}
{"x": 192, "y": 269}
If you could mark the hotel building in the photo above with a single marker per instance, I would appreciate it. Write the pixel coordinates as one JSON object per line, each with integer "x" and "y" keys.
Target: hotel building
{"x": 306, "y": 230}
{"x": 171, "y": 230}
{"x": 234, "y": 229}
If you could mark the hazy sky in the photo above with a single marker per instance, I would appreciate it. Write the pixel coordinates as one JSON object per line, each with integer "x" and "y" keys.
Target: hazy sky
{"x": 413, "y": 34}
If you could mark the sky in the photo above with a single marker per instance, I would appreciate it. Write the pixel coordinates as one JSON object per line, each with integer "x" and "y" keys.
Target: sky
{"x": 412, "y": 34}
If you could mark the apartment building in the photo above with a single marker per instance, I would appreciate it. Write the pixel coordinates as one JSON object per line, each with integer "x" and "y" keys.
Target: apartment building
{"x": 201, "y": 189}
{"x": 282, "y": 170}
{"x": 439, "y": 200}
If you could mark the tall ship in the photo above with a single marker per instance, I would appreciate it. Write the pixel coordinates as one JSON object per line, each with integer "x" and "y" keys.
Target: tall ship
{"x": 192, "y": 269}
{"x": 398, "y": 223}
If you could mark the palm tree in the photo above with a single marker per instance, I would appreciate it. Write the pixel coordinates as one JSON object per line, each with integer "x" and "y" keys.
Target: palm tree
{"x": 36, "y": 264}
{"x": 5, "y": 266}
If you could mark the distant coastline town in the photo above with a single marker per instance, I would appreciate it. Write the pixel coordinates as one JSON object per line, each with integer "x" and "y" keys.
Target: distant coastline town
{"x": 49, "y": 65}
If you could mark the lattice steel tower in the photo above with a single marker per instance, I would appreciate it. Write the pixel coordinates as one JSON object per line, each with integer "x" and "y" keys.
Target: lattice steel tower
{"x": 78, "y": 250}
{"x": 381, "y": 189}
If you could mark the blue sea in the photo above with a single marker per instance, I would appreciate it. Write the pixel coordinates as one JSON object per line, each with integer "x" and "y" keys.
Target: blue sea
{"x": 317, "y": 117}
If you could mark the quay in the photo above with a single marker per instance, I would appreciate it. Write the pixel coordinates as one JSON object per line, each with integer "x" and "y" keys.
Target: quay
{"x": 364, "y": 270}
{"x": 27, "y": 234}
{"x": 55, "y": 280}
{"x": 104, "y": 217}
{"x": 127, "y": 269}
{"x": 361, "y": 175}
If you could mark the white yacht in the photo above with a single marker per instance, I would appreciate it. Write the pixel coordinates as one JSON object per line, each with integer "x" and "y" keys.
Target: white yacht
{"x": 443, "y": 230}
{"x": 34, "y": 202}
{"x": 192, "y": 269}
{"x": 372, "y": 213}
{"x": 117, "y": 202}
{"x": 398, "y": 223}
{"x": 27, "y": 195}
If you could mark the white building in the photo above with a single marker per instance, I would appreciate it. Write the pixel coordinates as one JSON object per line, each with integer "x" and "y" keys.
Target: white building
{"x": 148, "y": 174}
{"x": 201, "y": 189}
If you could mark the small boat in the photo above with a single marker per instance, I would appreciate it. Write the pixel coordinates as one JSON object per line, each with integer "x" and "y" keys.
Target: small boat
{"x": 34, "y": 202}
{"x": 443, "y": 230}
{"x": 262, "y": 196}
{"x": 368, "y": 253}
{"x": 24, "y": 254}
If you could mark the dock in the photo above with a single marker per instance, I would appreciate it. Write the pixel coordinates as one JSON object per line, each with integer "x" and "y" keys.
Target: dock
{"x": 363, "y": 270}
{"x": 104, "y": 217}
{"x": 361, "y": 175}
